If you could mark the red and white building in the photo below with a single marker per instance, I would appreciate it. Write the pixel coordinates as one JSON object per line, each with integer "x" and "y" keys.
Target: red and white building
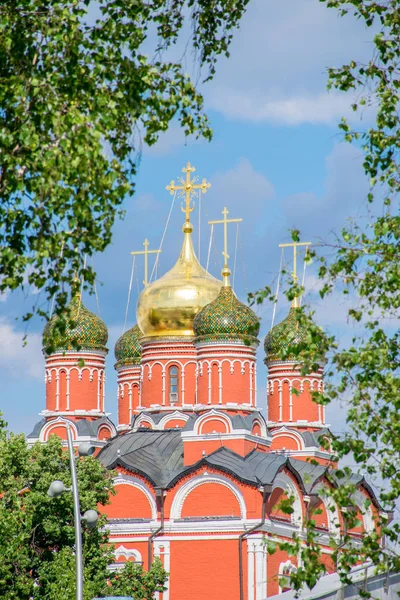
{"x": 200, "y": 468}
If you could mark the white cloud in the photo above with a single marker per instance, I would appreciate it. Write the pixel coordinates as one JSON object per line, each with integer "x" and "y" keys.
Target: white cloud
{"x": 16, "y": 358}
{"x": 172, "y": 140}
{"x": 242, "y": 186}
{"x": 277, "y": 69}
{"x": 344, "y": 194}
{"x": 314, "y": 109}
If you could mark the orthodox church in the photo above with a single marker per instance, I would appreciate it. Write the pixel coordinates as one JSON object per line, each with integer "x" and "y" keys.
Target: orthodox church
{"x": 201, "y": 470}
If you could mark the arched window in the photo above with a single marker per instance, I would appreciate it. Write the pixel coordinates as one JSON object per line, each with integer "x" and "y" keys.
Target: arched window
{"x": 173, "y": 385}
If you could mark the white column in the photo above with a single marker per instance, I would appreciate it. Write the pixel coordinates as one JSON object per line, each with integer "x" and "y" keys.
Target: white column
{"x": 130, "y": 402}
{"x": 183, "y": 384}
{"x": 209, "y": 383}
{"x": 220, "y": 383}
{"x": 280, "y": 385}
{"x": 67, "y": 377}
{"x": 290, "y": 402}
{"x": 250, "y": 570}
{"x": 163, "y": 384}
{"x": 104, "y": 391}
{"x": 255, "y": 385}
{"x": 162, "y": 551}
{"x": 261, "y": 569}
{"x": 58, "y": 390}
{"x": 98, "y": 391}
{"x": 251, "y": 383}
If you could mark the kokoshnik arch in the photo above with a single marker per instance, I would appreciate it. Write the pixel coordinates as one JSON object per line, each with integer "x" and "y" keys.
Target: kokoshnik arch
{"x": 200, "y": 469}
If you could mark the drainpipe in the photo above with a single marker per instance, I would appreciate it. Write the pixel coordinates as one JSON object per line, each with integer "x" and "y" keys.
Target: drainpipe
{"x": 267, "y": 490}
{"x": 160, "y": 509}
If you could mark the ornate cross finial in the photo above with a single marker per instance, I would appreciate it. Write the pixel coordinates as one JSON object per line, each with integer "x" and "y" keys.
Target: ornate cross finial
{"x": 225, "y": 272}
{"x": 146, "y": 253}
{"x": 188, "y": 188}
{"x": 294, "y": 245}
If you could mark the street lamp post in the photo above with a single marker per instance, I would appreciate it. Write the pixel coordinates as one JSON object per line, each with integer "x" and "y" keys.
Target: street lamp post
{"x": 90, "y": 517}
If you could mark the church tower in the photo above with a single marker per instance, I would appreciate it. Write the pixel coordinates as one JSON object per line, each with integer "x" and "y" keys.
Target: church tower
{"x": 296, "y": 421}
{"x": 165, "y": 312}
{"x": 75, "y": 377}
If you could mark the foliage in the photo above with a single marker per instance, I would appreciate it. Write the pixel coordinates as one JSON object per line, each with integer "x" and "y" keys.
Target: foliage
{"x": 362, "y": 265}
{"x": 37, "y": 532}
{"x": 77, "y": 92}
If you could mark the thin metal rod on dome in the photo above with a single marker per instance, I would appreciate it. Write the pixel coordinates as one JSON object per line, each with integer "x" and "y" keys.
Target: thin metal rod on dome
{"x": 294, "y": 245}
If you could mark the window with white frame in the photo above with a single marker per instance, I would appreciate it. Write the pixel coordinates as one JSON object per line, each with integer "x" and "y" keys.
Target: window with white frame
{"x": 173, "y": 385}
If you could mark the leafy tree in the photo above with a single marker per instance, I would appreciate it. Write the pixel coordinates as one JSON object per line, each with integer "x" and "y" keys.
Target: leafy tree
{"x": 37, "y": 532}
{"x": 76, "y": 95}
{"x": 362, "y": 263}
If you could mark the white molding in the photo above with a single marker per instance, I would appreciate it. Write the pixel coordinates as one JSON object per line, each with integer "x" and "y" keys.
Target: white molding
{"x": 237, "y": 434}
{"x": 162, "y": 551}
{"x": 176, "y": 414}
{"x": 285, "y": 483}
{"x": 70, "y": 413}
{"x": 204, "y": 479}
{"x": 128, "y": 553}
{"x": 299, "y": 423}
{"x": 138, "y": 483}
{"x": 211, "y": 415}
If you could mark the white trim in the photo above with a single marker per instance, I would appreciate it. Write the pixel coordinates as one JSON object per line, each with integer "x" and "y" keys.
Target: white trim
{"x": 138, "y": 483}
{"x": 299, "y": 423}
{"x": 210, "y": 416}
{"x": 128, "y": 553}
{"x": 290, "y": 433}
{"x": 176, "y": 414}
{"x": 45, "y": 432}
{"x": 285, "y": 565}
{"x": 359, "y": 499}
{"x": 285, "y": 483}
{"x": 69, "y": 413}
{"x": 237, "y": 434}
{"x": 162, "y": 551}
{"x": 205, "y": 478}
{"x": 330, "y": 508}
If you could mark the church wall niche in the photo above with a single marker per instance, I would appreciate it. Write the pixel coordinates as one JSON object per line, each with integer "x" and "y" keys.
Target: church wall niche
{"x": 175, "y": 423}
{"x": 276, "y": 565}
{"x": 152, "y": 386}
{"x": 215, "y": 383}
{"x": 104, "y": 433}
{"x": 274, "y": 511}
{"x": 58, "y": 430}
{"x": 214, "y": 425}
{"x": 289, "y": 442}
{"x": 210, "y": 500}
{"x": 130, "y": 502}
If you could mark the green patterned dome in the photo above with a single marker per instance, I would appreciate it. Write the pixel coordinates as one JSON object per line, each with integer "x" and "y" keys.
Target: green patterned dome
{"x": 84, "y": 330}
{"x": 225, "y": 318}
{"x": 287, "y": 332}
{"x": 127, "y": 349}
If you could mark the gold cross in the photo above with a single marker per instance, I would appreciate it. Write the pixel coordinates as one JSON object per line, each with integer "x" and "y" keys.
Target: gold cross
{"x": 146, "y": 253}
{"x": 295, "y": 245}
{"x": 187, "y": 188}
{"x": 225, "y": 222}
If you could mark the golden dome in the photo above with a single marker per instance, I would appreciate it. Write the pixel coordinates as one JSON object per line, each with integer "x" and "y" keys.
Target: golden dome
{"x": 168, "y": 306}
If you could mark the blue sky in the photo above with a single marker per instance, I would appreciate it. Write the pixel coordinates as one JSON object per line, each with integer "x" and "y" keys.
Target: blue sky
{"x": 277, "y": 160}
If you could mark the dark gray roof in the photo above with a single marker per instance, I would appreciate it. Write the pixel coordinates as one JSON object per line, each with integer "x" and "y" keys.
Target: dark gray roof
{"x": 37, "y": 429}
{"x": 238, "y": 421}
{"x": 88, "y": 427}
{"x": 312, "y": 438}
{"x": 158, "y": 456}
